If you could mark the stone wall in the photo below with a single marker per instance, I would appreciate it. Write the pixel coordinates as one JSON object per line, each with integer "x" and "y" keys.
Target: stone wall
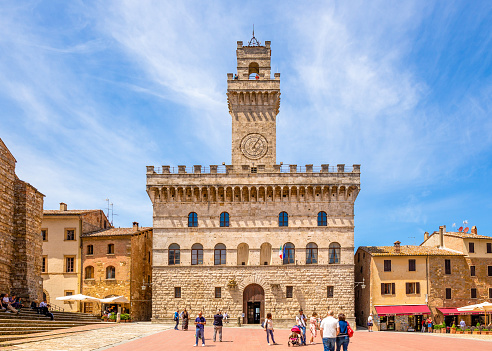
{"x": 309, "y": 290}
{"x": 27, "y": 248}
{"x": 363, "y": 298}
{"x": 94, "y": 220}
{"x": 141, "y": 270}
{"x": 7, "y": 180}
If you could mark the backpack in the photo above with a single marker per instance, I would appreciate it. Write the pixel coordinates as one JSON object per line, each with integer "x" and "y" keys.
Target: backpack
{"x": 263, "y": 324}
{"x": 350, "y": 331}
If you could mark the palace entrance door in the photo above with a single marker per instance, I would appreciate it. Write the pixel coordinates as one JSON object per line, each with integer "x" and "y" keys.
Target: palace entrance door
{"x": 253, "y": 304}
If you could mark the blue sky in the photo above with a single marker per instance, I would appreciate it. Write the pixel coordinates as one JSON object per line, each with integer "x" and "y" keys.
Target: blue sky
{"x": 92, "y": 92}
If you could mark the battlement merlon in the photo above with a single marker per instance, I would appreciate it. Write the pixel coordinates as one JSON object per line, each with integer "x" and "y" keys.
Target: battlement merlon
{"x": 233, "y": 176}
{"x": 253, "y": 59}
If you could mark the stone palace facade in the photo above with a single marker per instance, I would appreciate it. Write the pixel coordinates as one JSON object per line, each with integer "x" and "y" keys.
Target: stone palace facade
{"x": 219, "y": 230}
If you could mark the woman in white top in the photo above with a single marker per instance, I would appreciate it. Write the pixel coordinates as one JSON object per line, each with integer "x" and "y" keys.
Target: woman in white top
{"x": 369, "y": 322}
{"x": 269, "y": 328}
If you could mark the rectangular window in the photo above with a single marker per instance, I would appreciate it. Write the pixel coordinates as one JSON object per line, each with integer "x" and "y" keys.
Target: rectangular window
{"x": 69, "y": 234}
{"x": 358, "y": 257}
{"x": 110, "y": 249}
{"x": 329, "y": 291}
{"x": 90, "y": 250}
{"x": 218, "y": 293}
{"x": 69, "y": 293}
{"x": 289, "y": 292}
{"x": 473, "y": 294}
{"x": 471, "y": 247}
{"x": 472, "y": 271}
{"x": 411, "y": 266}
{"x": 489, "y": 271}
{"x": 69, "y": 264}
{"x": 447, "y": 266}
{"x": 177, "y": 292}
{"x": 490, "y": 293}
{"x": 387, "y": 265}
{"x": 44, "y": 262}
{"x": 44, "y": 234}
{"x": 448, "y": 293}
{"x": 388, "y": 289}
{"x": 413, "y": 288}
{"x": 489, "y": 247}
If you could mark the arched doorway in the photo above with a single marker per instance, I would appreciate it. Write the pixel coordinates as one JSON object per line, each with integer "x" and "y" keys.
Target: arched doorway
{"x": 253, "y": 304}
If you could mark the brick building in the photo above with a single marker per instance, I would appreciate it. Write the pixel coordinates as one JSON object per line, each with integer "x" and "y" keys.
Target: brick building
{"x": 118, "y": 262}
{"x": 405, "y": 284}
{"x": 61, "y": 260}
{"x": 21, "y": 210}
{"x": 219, "y": 231}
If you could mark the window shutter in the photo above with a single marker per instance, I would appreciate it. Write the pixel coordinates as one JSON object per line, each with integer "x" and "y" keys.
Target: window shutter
{"x": 407, "y": 285}
{"x": 382, "y": 288}
{"x": 393, "y": 292}
{"x": 418, "y": 287}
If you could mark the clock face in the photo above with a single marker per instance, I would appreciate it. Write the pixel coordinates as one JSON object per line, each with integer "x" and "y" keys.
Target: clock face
{"x": 254, "y": 146}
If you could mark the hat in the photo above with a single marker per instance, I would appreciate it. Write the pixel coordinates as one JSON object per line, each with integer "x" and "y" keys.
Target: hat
{"x": 300, "y": 309}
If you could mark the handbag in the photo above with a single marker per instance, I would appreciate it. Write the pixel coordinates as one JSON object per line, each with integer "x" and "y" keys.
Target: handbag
{"x": 350, "y": 331}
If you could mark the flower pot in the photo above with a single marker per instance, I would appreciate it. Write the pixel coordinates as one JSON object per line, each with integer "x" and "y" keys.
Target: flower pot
{"x": 443, "y": 330}
{"x": 476, "y": 332}
{"x": 452, "y": 330}
{"x": 468, "y": 332}
{"x": 459, "y": 332}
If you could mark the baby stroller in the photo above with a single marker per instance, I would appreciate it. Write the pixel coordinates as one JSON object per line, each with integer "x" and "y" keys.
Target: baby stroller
{"x": 294, "y": 337}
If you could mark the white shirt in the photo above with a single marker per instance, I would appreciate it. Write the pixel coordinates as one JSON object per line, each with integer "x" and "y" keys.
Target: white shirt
{"x": 6, "y": 300}
{"x": 369, "y": 319}
{"x": 301, "y": 320}
{"x": 43, "y": 304}
{"x": 329, "y": 327}
{"x": 268, "y": 324}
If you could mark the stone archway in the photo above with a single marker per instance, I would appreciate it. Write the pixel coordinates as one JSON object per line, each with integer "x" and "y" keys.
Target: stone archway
{"x": 253, "y": 304}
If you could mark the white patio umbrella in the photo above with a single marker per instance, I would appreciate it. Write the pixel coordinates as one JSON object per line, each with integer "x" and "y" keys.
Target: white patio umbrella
{"x": 484, "y": 306}
{"x": 115, "y": 299}
{"x": 78, "y": 297}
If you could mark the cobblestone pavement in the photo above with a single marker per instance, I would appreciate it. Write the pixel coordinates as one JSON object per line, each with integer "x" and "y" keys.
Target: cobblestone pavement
{"x": 94, "y": 339}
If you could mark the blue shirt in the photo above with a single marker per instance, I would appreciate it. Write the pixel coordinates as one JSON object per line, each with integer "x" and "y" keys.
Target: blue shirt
{"x": 343, "y": 328}
{"x": 200, "y": 319}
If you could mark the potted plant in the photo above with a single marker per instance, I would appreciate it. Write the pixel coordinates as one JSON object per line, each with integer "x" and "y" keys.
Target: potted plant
{"x": 436, "y": 328}
{"x": 443, "y": 328}
{"x": 112, "y": 317}
{"x": 459, "y": 331}
{"x": 476, "y": 330}
{"x": 104, "y": 317}
{"x": 125, "y": 317}
{"x": 467, "y": 331}
{"x": 452, "y": 330}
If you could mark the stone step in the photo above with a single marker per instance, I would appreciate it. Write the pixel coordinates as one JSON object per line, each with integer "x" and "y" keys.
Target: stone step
{"x": 23, "y": 332}
{"x": 30, "y": 328}
{"x": 5, "y": 316}
{"x": 44, "y": 324}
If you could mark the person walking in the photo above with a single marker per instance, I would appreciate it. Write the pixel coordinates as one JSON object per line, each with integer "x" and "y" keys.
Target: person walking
{"x": 342, "y": 333}
{"x": 301, "y": 320}
{"x": 313, "y": 326}
{"x": 328, "y": 331}
{"x": 462, "y": 324}
{"x": 218, "y": 325}
{"x": 200, "y": 328}
{"x": 176, "y": 319}
{"x": 429, "y": 325}
{"x": 269, "y": 329}
{"x": 370, "y": 322}
{"x": 185, "y": 320}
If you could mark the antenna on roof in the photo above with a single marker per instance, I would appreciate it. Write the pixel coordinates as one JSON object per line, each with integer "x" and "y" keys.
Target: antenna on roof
{"x": 460, "y": 229}
{"x": 466, "y": 230}
{"x": 254, "y": 41}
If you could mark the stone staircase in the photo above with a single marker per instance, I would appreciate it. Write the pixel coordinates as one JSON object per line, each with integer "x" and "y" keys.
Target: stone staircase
{"x": 27, "y": 324}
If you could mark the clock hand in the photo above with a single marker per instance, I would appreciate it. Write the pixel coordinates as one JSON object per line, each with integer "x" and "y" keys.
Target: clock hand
{"x": 254, "y": 146}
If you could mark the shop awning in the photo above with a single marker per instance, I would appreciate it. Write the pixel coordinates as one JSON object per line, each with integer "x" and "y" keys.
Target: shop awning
{"x": 455, "y": 312}
{"x": 402, "y": 310}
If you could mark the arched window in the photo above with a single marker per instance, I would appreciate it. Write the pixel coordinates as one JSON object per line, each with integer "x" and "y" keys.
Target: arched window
{"x": 220, "y": 254}
{"x": 224, "y": 219}
{"x": 110, "y": 249}
{"x": 243, "y": 254}
{"x": 110, "y": 273}
{"x": 173, "y": 254}
{"x": 89, "y": 272}
{"x": 193, "y": 219}
{"x": 283, "y": 219}
{"x": 90, "y": 250}
{"x": 311, "y": 253}
{"x": 197, "y": 254}
{"x": 289, "y": 253}
{"x": 334, "y": 253}
{"x": 322, "y": 219}
{"x": 265, "y": 254}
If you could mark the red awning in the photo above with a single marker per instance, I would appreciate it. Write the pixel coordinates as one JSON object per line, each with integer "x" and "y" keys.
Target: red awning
{"x": 454, "y": 311}
{"x": 402, "y": 310}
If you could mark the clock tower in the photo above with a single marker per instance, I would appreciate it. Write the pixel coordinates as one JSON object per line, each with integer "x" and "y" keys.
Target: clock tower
{"x": 254, "y": 100}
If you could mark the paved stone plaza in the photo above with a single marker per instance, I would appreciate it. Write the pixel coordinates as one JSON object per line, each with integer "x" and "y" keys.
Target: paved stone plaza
{"x": 147, "y": 337}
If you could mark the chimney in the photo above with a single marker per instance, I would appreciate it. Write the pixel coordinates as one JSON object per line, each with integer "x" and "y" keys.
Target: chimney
{"x": 426, "y": 236}
{"x": 442, "y": 231}
{"x": 63, "y": 206}
{"x": 135, "y": 226}
{"x": 474, "y": 230}
{"x": 397, "y": 247}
